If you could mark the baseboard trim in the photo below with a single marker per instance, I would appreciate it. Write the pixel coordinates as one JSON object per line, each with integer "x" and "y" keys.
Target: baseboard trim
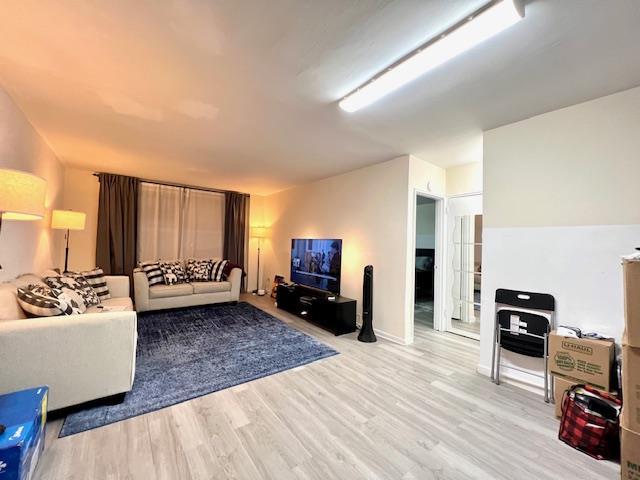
{"x": 391, "y": 338}
{"x": 516, "y": 378}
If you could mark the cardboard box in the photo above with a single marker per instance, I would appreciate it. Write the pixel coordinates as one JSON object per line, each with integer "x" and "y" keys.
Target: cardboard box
{"x": 24, "y": 414}
{"x": 631, "y": 387}
{"x": 582, "y": 359}
{"x": 629, "y": 455}
{"x": 560, "y": 386}
{"x": 631, "y": 273}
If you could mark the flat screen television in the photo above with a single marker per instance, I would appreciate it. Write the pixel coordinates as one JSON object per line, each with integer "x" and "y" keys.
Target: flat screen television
{"x": 316, "y": 263}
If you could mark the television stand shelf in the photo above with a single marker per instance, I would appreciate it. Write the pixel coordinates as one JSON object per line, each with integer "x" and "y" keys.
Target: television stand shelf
{"x": 338, "y": 316}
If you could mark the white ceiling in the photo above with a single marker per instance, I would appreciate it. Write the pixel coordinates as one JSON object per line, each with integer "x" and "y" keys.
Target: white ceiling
{"x": 242, "y": 94}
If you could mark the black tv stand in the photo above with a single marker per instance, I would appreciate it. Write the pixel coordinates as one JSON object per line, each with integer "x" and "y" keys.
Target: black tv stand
{"x": 338, "y": 315}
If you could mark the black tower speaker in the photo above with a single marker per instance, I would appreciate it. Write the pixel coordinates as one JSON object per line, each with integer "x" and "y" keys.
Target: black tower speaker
{"x": 366, "y": 332}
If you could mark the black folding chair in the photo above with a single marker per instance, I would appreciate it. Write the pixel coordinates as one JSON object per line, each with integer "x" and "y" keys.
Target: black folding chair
{"x": 524, "y": 321}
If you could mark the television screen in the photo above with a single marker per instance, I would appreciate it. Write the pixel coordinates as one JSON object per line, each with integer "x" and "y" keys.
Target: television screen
{"x": 316, "y": 263}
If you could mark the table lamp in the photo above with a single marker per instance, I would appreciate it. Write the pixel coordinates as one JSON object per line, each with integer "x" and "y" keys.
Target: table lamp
{"x": 22, "y": 196}
{"x": 67, "y": 220}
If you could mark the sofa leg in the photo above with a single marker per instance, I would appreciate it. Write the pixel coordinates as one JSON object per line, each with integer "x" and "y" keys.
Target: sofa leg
{"x": 116, "y": 399}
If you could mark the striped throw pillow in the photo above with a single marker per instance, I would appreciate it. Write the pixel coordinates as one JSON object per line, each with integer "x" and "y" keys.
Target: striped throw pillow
{"x": 96, "y": 279}
{"x": 217, "y": 269}
{"x": 153, "y": 272}
{"x": 41, "y": 301}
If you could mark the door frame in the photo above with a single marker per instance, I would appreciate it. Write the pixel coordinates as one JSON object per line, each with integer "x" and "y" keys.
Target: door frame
{"x": 439, "y": 256}
{"x": 448, "y": 324}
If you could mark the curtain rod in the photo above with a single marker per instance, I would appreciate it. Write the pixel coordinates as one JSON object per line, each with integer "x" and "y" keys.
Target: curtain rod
{"x": 182, "y": 185}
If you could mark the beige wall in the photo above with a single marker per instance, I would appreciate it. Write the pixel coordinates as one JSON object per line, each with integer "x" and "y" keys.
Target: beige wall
{"x": 372, "y": 211}
{"x": 81, "y": 190}
{"x": 28, "y": 246}
{"x": 366, "y": 208}
{"x": 464, "y": 179}
{"x": 575, "y": 166}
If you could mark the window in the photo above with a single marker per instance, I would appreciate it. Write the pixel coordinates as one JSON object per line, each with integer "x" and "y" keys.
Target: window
{"x": 178, "y": 223}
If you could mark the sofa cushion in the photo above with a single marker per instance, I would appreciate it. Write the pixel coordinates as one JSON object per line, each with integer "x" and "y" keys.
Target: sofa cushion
{"x": 217, "y": 269}
{"x": 9, "y": 307}
{"x": 78, "y": 284}
{"x": 198, "y": 270}
{"x": 153, "y": 272}
{"x": 96, "y": 279}
{"x": 41, "y": 301}
{"x": 173, "y": 272}
{"x": 167, "y": 291}
{"x": 211, "y": 287}
{"x": 122, "y": 302}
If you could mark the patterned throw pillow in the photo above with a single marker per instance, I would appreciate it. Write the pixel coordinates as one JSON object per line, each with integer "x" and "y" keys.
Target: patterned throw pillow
{"x": 41, "y": 301}
{"x": 217, "y": 269}
{"x": 198, "y": 270}
{"x": 77, "y": 284}
{"x": 96, "y": 279}
{"x": 153, "y": 272}
{"x": 173, "y": 272}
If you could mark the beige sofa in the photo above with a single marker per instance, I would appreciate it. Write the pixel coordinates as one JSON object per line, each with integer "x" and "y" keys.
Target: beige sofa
{"x": 79, "y": 357}
{"x": 160, "y": 297}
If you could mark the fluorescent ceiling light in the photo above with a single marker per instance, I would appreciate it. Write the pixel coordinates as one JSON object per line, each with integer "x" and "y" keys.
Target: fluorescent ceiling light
{"x": 489, "y": 20}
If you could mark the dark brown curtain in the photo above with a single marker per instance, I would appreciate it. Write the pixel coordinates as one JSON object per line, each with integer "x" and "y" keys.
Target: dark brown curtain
{"x": 235, "y": 226}
{"x": 117, "y": 241}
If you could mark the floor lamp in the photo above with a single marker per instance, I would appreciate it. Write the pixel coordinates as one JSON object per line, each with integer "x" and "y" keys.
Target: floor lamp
{"x": 67, "y": 220}
{"x": 22, "y": 196}
{"x": 259, "y": 233}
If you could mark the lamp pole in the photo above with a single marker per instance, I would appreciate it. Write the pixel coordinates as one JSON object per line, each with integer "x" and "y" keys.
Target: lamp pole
{"x": 258, "y": 269}
{"x": 66, "y": 253}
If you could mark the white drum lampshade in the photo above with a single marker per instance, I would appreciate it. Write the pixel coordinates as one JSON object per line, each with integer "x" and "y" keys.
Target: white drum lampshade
{"x": 22, "y": 195}
{"x": 68, "y": 220}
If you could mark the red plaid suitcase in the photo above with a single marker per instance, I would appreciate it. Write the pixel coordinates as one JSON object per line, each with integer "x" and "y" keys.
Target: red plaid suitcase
{"x": 590, "y": 422}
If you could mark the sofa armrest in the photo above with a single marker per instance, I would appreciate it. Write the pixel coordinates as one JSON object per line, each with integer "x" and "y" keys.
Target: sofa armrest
{"x": 141, "y": 290}
{"x": 235, "y": 277}
{"x": 118, "y": 285}
{"x": 80, "y": 357}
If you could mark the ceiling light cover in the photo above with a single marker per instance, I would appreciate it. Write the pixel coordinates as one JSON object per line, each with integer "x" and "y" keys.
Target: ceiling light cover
{"x": 486, "y": 24}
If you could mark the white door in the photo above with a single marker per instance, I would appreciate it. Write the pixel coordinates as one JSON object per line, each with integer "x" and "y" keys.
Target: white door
{"x": 464, "y": 265}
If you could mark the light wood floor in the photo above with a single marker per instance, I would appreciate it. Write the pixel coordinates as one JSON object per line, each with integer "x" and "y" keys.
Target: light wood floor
{"x": 375, "y": 411}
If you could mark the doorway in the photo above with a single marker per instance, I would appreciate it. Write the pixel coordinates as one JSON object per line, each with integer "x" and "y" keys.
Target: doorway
{"x": 464, "y": 265}
{"x": 425, "y": 262}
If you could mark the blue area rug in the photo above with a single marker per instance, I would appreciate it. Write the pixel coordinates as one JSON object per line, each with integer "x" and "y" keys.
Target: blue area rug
{"x": 186, "y": 353}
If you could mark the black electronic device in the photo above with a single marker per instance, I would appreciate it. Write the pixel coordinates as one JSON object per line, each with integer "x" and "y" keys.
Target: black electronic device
{"x": 317, "y": 263}
{"x": 366, "y": 332}
{"x": 337, "y": 315}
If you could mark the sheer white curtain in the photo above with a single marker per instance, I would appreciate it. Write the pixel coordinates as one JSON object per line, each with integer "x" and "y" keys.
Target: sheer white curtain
{"x": 178, "y": 223}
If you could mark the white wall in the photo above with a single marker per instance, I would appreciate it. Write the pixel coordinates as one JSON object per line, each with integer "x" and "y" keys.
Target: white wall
{"x": 464, "y": 179}
{"x": 561, "y": 203}
{"x": 28, "y": 246}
